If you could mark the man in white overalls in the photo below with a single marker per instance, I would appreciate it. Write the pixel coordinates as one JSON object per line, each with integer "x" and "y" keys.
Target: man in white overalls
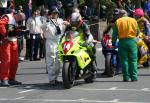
{"x": 53, "y": 30}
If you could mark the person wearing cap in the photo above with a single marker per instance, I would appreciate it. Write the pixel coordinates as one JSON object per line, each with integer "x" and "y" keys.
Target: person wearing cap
{"x": 53, "y": 30}
{"x": 126, "y": 30}
{"x": 9, "y": 48}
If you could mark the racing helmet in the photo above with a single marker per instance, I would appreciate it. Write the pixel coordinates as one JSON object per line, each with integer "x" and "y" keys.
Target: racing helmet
{"x": 138, "y": 12}
{"x": 75, "y": 18}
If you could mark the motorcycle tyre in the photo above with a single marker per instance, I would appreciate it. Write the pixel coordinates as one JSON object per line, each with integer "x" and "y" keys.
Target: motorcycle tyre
{"x": 147, "y": 63}
{"x": 109, "y": 65}
{"x": 66, "y": 72}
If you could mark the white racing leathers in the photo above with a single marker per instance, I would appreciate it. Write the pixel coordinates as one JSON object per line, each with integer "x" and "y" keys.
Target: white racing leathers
{"x": 52, "y": 39}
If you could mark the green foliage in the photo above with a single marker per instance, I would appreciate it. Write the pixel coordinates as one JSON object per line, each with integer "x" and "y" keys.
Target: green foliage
{"x": 24, "y": 3}
{"x": 110, "y": 6}
{"x": 21, "y": 2}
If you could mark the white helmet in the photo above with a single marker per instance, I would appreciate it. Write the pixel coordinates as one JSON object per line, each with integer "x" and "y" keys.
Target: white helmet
{"x": 75, "y": 17}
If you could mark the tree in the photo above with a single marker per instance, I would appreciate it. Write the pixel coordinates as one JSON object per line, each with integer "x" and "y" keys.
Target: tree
{"x": 110, "y": 7}
{"x": 21, "y": 2}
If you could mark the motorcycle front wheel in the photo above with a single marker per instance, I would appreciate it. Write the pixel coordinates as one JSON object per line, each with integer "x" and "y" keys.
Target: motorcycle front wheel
{"x": 68, "y": 75}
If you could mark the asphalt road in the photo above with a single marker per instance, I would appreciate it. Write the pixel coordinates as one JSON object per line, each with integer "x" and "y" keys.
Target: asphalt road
{"x": 35, "y": 88}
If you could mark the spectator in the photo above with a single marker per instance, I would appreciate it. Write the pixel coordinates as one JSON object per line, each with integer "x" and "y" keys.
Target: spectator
{"x": 85, "y": 13}
{"x": 27, "y": 34}
{"x": 20, "y": 33}
{"x": 34, "y": 27}
{"x": 91, "y": 6}
{"x": 61, "y": 10}
{"x": 147, "y": 7}
{"x": 42, "y": 41}
{"x": 51, "y": 3}
{"x": 119, "y": 4}
{"x": 68, "y": 6}
{"x": 103, "y": 12}
{"x": 129, "y": 8}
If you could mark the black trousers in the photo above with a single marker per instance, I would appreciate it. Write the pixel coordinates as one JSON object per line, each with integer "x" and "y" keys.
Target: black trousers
{"x": 34, "y": 46}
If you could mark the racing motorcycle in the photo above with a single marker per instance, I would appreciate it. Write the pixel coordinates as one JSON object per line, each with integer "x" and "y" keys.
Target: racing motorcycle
{"x": 77, "y": 63}
{"x": 112, "y": 62}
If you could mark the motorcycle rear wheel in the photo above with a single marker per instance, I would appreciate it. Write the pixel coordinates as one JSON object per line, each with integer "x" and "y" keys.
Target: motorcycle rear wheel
{"x": 92, "y": 77}
{"x": 109, "y": 65}
{"x": 147, "y": 63}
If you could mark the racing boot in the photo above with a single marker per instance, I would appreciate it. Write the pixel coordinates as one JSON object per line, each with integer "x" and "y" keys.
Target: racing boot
{"x": 4, "y": 83}
{"x": 14, "y": 82}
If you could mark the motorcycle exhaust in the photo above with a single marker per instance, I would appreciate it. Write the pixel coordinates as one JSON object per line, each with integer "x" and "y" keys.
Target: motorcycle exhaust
{"x": 86, "y": 75}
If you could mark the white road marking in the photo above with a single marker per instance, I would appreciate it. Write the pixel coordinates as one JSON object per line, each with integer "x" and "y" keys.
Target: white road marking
{"x": 113, "y": 89}
{"x": 28, "y": 87}
{"x": 76, "y": 100}
{"x": 3, "y": 87}
{"x": 115, "y": 100}
{"x": 19, "y": 98}
{"x": 26, "y": 91}
{"x": 146, "y": 89}
{"x": 81, "y": 99}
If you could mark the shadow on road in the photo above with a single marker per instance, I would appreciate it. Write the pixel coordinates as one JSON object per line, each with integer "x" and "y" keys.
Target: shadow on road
{"x": 30, "y": 73}
{"x": 45, "y": 86}
{"x": 143, "y": 74}
{"x": 35, "y": 68}
{"x": 40, "y": 86}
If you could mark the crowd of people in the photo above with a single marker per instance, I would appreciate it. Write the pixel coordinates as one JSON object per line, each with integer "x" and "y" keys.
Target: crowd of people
{"x": 43, "y": 32}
